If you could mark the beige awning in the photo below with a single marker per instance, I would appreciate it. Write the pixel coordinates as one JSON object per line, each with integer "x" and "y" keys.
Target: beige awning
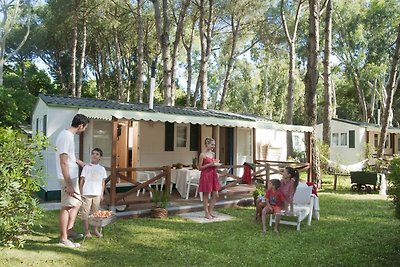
{"x": 107, "y": 114}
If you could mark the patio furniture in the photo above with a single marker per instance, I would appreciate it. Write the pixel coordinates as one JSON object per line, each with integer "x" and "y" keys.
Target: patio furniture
{"x": 193, "y": 181}
{"x": 303, "y": 205}
{"x": 181, "y": 177}
{"x": 143, "y": 176}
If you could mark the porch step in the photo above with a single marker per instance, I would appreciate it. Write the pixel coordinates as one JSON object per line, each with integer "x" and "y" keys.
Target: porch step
{"x": 178, "y": 208}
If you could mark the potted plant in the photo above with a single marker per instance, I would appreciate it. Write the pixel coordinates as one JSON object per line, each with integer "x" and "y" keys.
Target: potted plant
{"x": 260, "y": 191}
{"x": 160, "y": 201}
{"x": 194, "y": 163}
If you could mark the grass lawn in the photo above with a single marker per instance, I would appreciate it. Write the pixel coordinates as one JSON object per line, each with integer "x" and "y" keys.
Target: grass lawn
{"x": 354, "y": 230}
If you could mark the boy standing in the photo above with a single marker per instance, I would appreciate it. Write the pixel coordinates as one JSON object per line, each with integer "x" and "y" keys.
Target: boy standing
{"x": 92, "y": 186}
{"x": 67, "y": 172}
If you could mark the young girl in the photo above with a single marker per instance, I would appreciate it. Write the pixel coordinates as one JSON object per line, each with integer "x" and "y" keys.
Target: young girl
{"x": 273, "y": 201}
{"x": 209, "y": 181}
{"x": 289, "y": 182}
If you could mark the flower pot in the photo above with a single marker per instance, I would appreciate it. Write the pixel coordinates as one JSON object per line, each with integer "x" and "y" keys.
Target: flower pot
{"x": 158, "y": 213}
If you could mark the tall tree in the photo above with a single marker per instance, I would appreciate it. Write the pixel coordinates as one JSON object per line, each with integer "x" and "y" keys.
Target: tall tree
{"x": 291, "y": 41}
{"x": 311, "y": 82}
{"x": 326, "y": 135}
{"x": 83, "y": 49}
{"x": 206, "y": 26}
{"x": 240, "y": 18}
{"x": 187, "y": 42}
{"x": 74, "y": 44}
{"x": 177, "y": 39}
{"x": 11, "y": 12}
{"x": 390, "y": 89}
{"x": 140, "y": 53}
{"x": 162, "y": 29}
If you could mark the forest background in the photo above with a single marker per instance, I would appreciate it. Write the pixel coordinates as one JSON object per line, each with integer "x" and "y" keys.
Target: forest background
{"x": 242, "y": 56}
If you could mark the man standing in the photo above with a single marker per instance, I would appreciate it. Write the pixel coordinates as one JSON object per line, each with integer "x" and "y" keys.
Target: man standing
{"x": 68, "y": 174}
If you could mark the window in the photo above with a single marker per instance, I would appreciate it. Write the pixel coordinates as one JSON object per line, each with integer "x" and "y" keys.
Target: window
{"x": 181, "y": 136}
{"x": 296, "y": 141}
{"x": 177, "y": 137}
{"x": 45, "y": 125}
{"x": 343, "y": 139}
{"x": 339, "y": 139}
{"x": 376, "y": 140}
{"x": 335, "y": 139}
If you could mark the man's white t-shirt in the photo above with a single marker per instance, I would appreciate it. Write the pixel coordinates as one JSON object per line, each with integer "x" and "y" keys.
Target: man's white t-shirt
{"x": 94, "y": 175}
{"x": 65, "y": 145}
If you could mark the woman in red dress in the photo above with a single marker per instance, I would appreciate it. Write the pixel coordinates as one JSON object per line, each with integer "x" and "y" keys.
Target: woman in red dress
{"x": 209, "y": 181}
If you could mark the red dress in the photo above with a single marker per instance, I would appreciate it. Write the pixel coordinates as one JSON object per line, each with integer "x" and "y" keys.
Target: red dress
{"x": 209, "y": 181}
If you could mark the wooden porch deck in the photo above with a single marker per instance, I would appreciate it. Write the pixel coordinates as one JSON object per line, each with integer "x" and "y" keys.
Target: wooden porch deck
{"x": 140, "y": 206}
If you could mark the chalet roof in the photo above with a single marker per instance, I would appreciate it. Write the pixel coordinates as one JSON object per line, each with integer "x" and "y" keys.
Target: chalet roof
{"x": 373, "y": 127}
{"x": 106, "y": 109}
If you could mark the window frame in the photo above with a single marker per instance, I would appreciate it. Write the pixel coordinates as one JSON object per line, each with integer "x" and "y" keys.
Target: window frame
{"x": 177, "y": 145}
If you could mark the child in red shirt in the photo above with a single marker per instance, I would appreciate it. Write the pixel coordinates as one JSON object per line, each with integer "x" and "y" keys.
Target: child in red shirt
{"x": 274, "y": 200}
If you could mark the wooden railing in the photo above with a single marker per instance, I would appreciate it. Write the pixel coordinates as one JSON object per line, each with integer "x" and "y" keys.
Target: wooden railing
{"x": 262, "y": 170}
{"x": 125, "y": 174}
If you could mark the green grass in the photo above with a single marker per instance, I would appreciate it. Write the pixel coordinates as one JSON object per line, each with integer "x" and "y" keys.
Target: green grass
{"x": 354, "y": 230}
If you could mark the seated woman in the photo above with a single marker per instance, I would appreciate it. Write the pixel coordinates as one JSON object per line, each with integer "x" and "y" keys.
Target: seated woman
{"x": 290, "y": 180}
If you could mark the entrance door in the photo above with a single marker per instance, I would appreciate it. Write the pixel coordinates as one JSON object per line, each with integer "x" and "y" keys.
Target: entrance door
{"x": 226, "y": 148}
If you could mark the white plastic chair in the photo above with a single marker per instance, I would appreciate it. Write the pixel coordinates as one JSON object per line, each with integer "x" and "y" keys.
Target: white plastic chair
{"x": 303, "y": 204}
{"x": 158, "y": 182}
{"x": 193, "y": 181}
{"x": 142, "y": 177}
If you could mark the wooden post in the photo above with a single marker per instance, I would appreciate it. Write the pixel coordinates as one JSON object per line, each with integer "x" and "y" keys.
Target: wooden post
{"x": 167, "y": 171}
{"x": 254, "y": 144}
{"x": 114, "y": 163}
{"x": 267, "y": 170}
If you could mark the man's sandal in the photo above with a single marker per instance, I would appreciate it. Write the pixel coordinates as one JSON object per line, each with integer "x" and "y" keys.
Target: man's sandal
{"x": 69, "y": 244}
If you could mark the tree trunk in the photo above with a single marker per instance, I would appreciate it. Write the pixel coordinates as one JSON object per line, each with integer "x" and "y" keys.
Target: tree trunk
{"x": 205, "y": 44}
{"x": 311, "y": 81}
{"x": 83, "y": 53}
{"x": 140, "y": 54}
{"x": 118, "y": 66}
{"x": 73, "y": 49}
{"x": 188, "y": 48}
{"x": 291, "y": 40}
{"x": 6, "y": 25}
{"x": 231, "y": 60}
{"x": 162, "y": 29}
{"x": 390, "y": 89}
{"x": 360, "y": 95}
{"x": 178, "y": 35}
{"x": 326, "y": 136}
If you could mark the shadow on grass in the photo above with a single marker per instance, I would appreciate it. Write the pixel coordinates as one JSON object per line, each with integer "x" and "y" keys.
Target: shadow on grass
{"x": 350, "y": 233}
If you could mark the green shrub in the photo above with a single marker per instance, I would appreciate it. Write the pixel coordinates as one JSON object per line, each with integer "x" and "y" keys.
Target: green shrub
{"x": 160, "y": 199}
{"x": 19, "y": 208}
{"x": 394, "y": 184}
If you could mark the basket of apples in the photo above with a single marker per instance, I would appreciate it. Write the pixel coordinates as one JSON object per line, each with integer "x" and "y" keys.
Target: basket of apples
{"x": 101, "y": 218}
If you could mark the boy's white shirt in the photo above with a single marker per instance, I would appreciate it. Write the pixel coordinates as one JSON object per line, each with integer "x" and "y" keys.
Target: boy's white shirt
{"x": 94, "y": 175}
